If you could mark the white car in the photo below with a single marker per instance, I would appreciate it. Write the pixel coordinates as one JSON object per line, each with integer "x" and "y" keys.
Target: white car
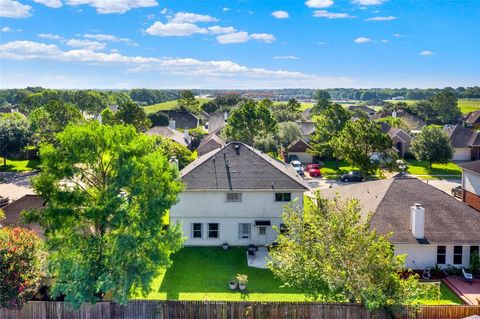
{"x": 298, "y": 167}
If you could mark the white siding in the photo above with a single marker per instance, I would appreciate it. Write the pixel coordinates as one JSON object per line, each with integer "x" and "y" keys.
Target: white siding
{"x": 304, "y": 158}
{"x": 471, "y": 182}
{"x": 421, "y": 256}
{"x": 211, "y": 207}
{"x": 462, "y": 154}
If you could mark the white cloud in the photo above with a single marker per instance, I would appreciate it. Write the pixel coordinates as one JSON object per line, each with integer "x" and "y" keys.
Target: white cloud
{"x": 286, "y": 57}
{"x": 216, "y": 29}
{"x": 322, "y": 43}
{"x": 174, "y": 29}
{"x": 280, "y": 14}
{"x": 50, "y": 3}
{"x": 6, "y": 29}
{"x": 164, "y": 11}
{"x": 14, "y": 9}
{"x": 109, "y": 38}
{"x": 368, "y": 2}
{"x": 86, "y": 44}
{"x": 225, "y": 9}
{"x": 398, "y": 35}
{"x": 236, "y": 37}
{"x": 376, "y": 19}
{"x": 188, "y": 17}
{"x": 265, "y": 37}
{"x": 331, "y": 15}
{"x": 114, "y": 6}
{"x": 385, "y": 41}
{"x": 50, "y": 36}
{"x": 319, "y": 3}
{"x": 362, "y": 40}
{"x": 426, "y": 53}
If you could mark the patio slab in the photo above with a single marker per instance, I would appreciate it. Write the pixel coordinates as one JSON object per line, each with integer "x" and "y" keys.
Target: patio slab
{"x": 260, "y": 260}
{"x": 470, "y": 293}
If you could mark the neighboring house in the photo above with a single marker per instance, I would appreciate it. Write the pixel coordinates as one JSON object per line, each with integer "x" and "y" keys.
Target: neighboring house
{"x": 306, "y": 114}
{"x": 307, "y": 128}
{"x": 299, "y": 148}
{"x": 235, "y": 195}
{"x": 14, "y": 209}
{"x": 427, "y": 224}
{"x": 465, "y": 141}
{"x": 217, "y": 121}
{"x": 401, "y": 140}
{"x": 170, "y": 133}
{"x": 413, "y": 120}
{"x": 210, "y": 143}
{"x": 471, "y": 183}
{"x": 182, "y": 119}
{"x": 473, "y": 120}
{"x": 361, "y": 108}
{"x": 113, "y": 108}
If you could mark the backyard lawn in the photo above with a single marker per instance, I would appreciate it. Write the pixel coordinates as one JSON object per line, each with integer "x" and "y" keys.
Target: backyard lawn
{"x": 330, "y": 169}
{"x": 168, "y": 105}
{"x": 203, "y": 273}
{"x": 421, "y": 168}
{"x": 19, "y": 165}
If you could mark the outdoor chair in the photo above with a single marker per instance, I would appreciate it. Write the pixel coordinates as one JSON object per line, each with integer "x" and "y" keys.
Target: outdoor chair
{"x": 467, "y": 276}
{"x": 426, "y": 273}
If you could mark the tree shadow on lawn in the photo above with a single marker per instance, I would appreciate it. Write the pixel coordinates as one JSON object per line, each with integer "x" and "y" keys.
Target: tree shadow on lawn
{"x": 208, "y": 270}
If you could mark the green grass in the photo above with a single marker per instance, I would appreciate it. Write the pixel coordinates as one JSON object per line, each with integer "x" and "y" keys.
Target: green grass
{"x": 466, "y": 106}
{"x": 203, "y": 274}
{"x": 19, "y": 165}
{"x": 330, "y": 169}
{"x": 421, "y": 168}
{"x": 168, "y": 105}
{"x": 447, "y": 297}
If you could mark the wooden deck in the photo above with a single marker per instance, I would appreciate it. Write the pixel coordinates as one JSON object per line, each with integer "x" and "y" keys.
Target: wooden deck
{"x": 470, "y": 293}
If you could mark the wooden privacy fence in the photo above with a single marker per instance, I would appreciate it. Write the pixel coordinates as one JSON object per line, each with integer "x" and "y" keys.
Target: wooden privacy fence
{"x": 144, "y": 309}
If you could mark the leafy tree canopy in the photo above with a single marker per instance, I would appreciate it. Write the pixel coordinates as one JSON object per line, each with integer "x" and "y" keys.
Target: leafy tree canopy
{"x": 15, "y": 134}
{"x": 322, "y": 98}
{"x": 288, "y": 132}
{"x": 432, "y": 145}
{"x": 187, "y": 102}
{"x": 332, "y": 254}
{"x": 106, "y": 189}
{"x": 131, "y": 113}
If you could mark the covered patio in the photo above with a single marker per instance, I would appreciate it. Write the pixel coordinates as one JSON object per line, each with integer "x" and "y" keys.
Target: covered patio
{"x": 470, "y": 293}
{"x": 258, "y": 258}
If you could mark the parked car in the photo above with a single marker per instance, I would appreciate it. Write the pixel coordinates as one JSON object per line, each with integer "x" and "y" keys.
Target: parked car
{"x": 314, "y": 170}
{"x": 353, "y": 176}
{"x": 457, "y": 191}
{"x": 292, "y": 158}
{"x": 298, "y": 167}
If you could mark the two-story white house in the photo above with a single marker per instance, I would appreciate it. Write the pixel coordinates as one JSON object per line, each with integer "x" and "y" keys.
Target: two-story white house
{"x": 471, "y": 183}
{"x": 235, "y": 195}
{"x": 428, "y": 225}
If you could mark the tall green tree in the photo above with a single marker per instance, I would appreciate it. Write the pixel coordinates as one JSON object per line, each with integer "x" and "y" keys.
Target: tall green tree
{"x": 288, "y": 132}
{"x": 331, "y": 253}
{"x": 432, "y": 145}
{"x": 91, "y": 102}
{"x": 106, "y": 189}
{"x": 188, "y": 102}
{"x": 172, "y": 149}
{"x": 322, "y": 101}
{"x": 286, "y": 112}
{"x": 358, "y": 141}
{"x": 20, "y": 266}
{"x": 445, "y": 106}
{"x": 131, "y": 113}
{"x": 15, "y": 134}
{"x": 52, "y": 118}
{"x": 250, "y": 120}
{"x": 328, "y": 124}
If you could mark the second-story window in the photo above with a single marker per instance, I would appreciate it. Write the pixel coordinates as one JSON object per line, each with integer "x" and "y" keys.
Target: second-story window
{"x": 234, "y": 197}
{"x": 283, "y": 197}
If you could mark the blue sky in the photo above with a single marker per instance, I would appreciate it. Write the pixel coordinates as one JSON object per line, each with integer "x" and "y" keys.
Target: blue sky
{"x": 239, "y": 44}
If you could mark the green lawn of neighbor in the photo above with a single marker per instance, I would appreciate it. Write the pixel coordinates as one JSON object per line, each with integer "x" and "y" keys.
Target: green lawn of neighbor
{"x": 203, "y": 273}
{"x": 466, "y": 106}
{"x": 421, "y": 168}
{"x": 168, "y": 105}
{"x": 19, "y": 165}
{"x": 330, "y": 170}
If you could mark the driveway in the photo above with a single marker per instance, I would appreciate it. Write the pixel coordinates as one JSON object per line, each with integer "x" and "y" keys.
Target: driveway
{"x": 445, "y": 185}
{"x": 15, "y": 185}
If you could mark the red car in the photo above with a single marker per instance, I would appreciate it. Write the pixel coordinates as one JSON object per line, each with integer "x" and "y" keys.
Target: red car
{"x": 314, "y": 170}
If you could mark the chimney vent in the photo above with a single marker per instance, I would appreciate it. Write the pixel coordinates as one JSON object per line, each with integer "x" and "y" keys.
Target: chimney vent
{"x": 237, "y": 149}
{"x": 417, "y": 221}
{"x": 171, "y": 124}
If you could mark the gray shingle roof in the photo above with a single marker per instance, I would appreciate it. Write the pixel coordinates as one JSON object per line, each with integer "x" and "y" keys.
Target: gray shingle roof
{"x": 306, "y": 127}
{"x": 471, "y": 166}
{"x": 210, "y": 143}
{"x": 473, "y": 117}
{"x": 461, "y": 137}
{"x": 447, "y": 220}
{"x": 298, "y": 145}
{"x": 168, "y": 132}
{"x": 232, "y": 168}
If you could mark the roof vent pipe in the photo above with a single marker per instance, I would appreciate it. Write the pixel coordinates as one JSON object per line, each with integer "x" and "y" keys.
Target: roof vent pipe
{"x": 417, "y": 221}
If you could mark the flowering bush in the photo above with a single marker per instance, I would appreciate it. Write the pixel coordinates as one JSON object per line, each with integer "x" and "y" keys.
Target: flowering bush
{"x": 19, "y": 266}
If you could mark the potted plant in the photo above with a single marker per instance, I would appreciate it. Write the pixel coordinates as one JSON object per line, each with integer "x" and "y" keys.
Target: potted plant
{"x": 225, "y": 246}
{"x": 233, "y": 284}
{"x": 242, "y": 281}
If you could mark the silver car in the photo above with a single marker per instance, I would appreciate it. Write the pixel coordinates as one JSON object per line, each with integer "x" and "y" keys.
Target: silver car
{"x": 298, "y": 167}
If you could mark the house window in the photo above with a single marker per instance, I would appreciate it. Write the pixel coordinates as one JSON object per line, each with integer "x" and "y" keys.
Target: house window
{"x": 234, "y": 197}
{"x": 457, "y": 255}
{"x": 283, "y": 197}
{"x": 213, "y": 230}
{"x": 262, "y": 230}
{"x": 197, "y": 230}
{"x": 441, "y": 255}
{"x": 474, "y": 251}
{"x": 244, "y": 231}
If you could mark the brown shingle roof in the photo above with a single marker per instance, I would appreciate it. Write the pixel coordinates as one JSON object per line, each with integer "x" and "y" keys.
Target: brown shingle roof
{"x": 473, "y": 117}
{"x": 461, "y": 137}
{"x": 238, "y": 166}
{"x": 471, "y": 166}
{"x": 447, "y": 220}
{"x": 168, "y": 132}
{"x": 14, "y": 210}
{"x": 298, "y": 146}
{"x": 209, "y": 143}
